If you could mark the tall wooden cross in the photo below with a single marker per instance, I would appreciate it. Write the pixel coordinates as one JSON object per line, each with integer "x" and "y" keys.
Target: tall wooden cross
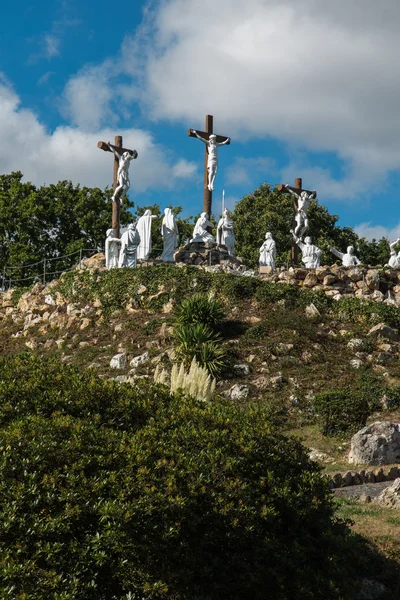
{"x": 298, "y": 189}
{"x": 116, "y": 205}
{"x": 207, "y": 202}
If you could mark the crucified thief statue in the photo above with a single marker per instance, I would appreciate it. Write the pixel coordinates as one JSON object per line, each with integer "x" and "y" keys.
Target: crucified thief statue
{"x": 212, "y": 162}
{"x": 303, "y": 200}
{"x": 124, "y": 162}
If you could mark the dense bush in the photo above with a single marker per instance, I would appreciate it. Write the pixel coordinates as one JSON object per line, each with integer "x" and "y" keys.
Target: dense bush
{"x": 113, "y": 492}
{"x": 340, "y": 410}
{"x": 353, "y": 309}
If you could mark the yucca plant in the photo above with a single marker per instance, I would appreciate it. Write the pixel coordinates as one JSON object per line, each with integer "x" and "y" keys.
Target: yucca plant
{"x": 200, "y": 309}
{"x": 212, "y": 357}
{"x": 200, "y": 342}
{"x": 188, "y": 337}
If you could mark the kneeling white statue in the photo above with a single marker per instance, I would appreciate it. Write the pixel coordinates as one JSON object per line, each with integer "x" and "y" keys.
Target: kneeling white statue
{"x": 112, "y": 246}
{"x": 349, "y": 259}
{"x": 394, "y": 260}
{"x": 225, "y": 234}
{"x": 268, "y": 252}
{"x": 200, "y": 233}
{"x": 310, "y": 254}
{"x": 130, "y": 240}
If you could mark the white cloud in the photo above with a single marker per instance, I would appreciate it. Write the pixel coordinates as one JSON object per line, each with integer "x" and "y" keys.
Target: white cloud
{"x": 70, "y": 153}
{"x": 184, "y": 169}
{"x": 88, "y": 96}
{"x": 377, "y": 232}
{"x": 244, "y": 170}
{"x": 51, "y": 46}
{"x": 318, "y": 75}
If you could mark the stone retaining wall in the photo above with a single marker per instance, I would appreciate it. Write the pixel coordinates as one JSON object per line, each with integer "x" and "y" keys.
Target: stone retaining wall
{"x": 381, "y": 284}
{"x": 343, "y": 479}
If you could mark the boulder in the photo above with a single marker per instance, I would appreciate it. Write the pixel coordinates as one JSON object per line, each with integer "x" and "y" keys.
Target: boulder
{"x": 384, "y": 331}
{"x": 376, "y": 444}
{"x": 372, "y": 279}
{"x": 138, "y": 360}
{"x": 118, "y": 361}
{"x": 355, "y": 274}
{"x": 311, "y": 280}
{"x": 238, "y": 392}
{"x": 97, "y": 261}
{"x": 242, "y": 369}
{"x": 312, "y": 311}
{"x": 391, "y": 495}
{"x": 355, "y": 343}
{"x": 356, "y": 363}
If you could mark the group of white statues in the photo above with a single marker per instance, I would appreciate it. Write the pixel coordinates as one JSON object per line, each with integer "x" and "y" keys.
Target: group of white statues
{"x": 310, "y": 254}
{"x": 135, "y": 243}
{"x": 225, "y": 231}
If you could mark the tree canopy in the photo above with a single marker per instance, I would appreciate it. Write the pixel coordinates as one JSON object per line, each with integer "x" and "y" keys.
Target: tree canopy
{"x": 52, "y": 220}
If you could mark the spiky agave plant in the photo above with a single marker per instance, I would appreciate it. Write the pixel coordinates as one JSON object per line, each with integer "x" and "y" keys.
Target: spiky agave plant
{"x": 201, "y": 342}
{"x": 200, "y": 308}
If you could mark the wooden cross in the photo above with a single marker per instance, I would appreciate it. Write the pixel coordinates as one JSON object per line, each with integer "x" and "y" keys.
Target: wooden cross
{"x": 207, "y": 202}
{"x": 298, "y": 189}
{"x": 116, "y": 205}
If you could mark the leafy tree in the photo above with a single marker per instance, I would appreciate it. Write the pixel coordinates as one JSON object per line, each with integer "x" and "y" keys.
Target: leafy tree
{"x": 111, "y": 492}
{"x": 266, "y": 209}
{"x": 51, "y": 221}
{"x": 375, "y": 252}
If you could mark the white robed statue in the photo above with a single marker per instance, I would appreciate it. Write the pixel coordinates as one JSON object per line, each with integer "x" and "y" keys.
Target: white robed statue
{"x": 129, "y": 242}
{"x": 169, "y": 233}
{"x": 225, "y": 233}
{"x": 144, "y": 229}
{"x": 349, "y": 259}
{"x": 112, "y": 247}
{"x": 268, "y": 252}
{"x": 200, "y": 233}
{"x": 310, "y": 254}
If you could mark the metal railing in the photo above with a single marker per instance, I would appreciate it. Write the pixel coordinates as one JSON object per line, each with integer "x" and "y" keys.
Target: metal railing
{"x": 44, "y": 270}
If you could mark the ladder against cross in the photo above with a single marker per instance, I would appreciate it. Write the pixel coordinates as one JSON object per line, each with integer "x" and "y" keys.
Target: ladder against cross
{"x": 220, "y": 139}
{"x": 281, "y": 187}
{"x": 116, "y": 205}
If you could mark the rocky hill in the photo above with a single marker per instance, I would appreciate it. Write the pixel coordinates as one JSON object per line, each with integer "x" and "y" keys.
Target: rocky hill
{"x": 286, "y": 342}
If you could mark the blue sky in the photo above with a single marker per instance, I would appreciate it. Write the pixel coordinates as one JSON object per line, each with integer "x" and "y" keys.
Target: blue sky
{"x": 306, "y": 89}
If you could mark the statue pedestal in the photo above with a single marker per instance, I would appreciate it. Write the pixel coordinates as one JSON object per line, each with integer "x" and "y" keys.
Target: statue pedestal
{"x": 206, "y": 254}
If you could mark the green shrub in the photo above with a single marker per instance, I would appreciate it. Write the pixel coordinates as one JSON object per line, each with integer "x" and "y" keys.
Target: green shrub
{"x": 236, "y": 288}
{"x": 201, "y": 342}
{"x": 369, "y": 312}
{"x": 255, "y": 332}
{"x": 340, "y": 410}
{"x": 199, "y": 309}
{"x": 110, "y": 492}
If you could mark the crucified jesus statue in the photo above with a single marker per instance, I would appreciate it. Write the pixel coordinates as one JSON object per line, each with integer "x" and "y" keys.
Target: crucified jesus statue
{"x": 303, "y": 200}
{"x": 124, "y": 162}
{"x": 212, "y": 161}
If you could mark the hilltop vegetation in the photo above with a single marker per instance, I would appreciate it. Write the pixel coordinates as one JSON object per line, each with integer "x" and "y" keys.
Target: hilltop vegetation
{"x": 206, "y": 499}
